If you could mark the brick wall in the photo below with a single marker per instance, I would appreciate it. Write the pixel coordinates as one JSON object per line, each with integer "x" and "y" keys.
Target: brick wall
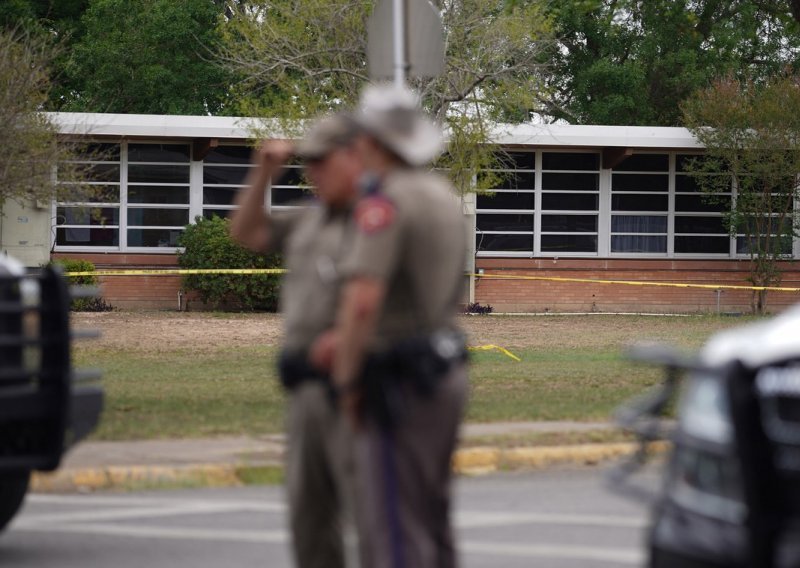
{"x": 132, "y": 292}
{"x": 161, "y": 292}
{"x": 542, "y": 296}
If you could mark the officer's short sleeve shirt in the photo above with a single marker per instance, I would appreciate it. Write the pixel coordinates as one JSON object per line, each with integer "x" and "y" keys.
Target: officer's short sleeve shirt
{"x": 411, "y": 234}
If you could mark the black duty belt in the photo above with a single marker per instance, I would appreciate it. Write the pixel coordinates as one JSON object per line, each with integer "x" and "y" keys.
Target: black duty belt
{"x": 295, "y": 368}
{"x": 415, "y": 365}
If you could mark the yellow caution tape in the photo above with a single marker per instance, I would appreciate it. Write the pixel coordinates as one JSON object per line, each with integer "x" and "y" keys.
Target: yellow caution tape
{"x": 635, "y": 283}
{"x": 502, "y": 350}
{"x": 174, "y": 272}
{"x": 177, "y": 272}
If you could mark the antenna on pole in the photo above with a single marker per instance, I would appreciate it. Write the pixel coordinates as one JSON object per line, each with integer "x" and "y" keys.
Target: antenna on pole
{"x": 400, "y": 43}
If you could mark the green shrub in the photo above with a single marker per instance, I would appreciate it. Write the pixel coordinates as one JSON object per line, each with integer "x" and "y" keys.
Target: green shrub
{"x": 207, "y": 244}
{"x": 83, "y": 304}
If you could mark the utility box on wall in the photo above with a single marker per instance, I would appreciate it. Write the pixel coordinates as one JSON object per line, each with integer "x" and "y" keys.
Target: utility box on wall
{"x": 25, "y": 233}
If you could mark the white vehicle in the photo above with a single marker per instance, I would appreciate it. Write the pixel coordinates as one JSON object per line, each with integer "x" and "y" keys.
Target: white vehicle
{"x": 731, "y": 496}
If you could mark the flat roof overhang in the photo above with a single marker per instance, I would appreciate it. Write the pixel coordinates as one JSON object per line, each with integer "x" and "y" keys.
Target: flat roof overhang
{"x": 616, "y": 142}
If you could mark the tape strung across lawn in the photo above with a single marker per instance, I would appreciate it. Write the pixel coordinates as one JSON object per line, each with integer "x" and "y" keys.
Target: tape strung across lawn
{"x": 178, "y": 272}
{"x": 502, "y": 350}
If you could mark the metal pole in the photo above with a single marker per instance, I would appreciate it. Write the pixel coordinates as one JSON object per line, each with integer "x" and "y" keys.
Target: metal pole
{"x": 399, "y": 35}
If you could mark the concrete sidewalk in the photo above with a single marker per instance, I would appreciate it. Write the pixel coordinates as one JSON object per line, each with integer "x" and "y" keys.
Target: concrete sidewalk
{"x": 225, "y": 461}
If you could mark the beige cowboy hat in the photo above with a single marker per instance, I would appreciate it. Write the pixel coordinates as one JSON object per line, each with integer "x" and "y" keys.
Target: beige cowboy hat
{"x": 393, "y": 116}
{"x": 326, "y": 135}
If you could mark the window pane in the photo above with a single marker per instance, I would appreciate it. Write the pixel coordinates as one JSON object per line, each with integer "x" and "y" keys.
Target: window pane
{"x": 229, "y": 155}
{"x": 699, "y": 244}
{"x": 99, "y": 172}
{"x": 511, "y": 180}
{"x": 638, "y": 243}
{"x": 573, "y": 182}
{"x": 103, "y": 237}
{"x": 570, "y": 161}
{"x": 640, "y": 182}
{"x": 507, "y": 243}
{"x": 158, "y": 174}
{"x": 702, "y": 203}
{"x": 292, "y": 176}
{"x": 569, "y": 243}
{"x": 700, "y": 225}
{"x": 638, "y": 224}
{"x": 87, "y": 216}
{"x": 743, "y": 245}
{"x": 99, "y": 152}
{"x": 569, "y": 223}
{"x": 219, "y": 195}
{"x": 500, "y": 222}
{"x": 519, "y": 160}
{"x": 92, "y": 194}
{"x": 644, "y": 163}
{"x": 168, "y": 217}
{"x": 153, "y": 237}
{"x": 290, "y": 196}
{"x": 158, "y": 152}
{"x": 157, "y": 194}
{"x": 224, "y": 175}
{"x": 209, "y": 213}
{"x": 684, "y": 161}
{"x": 639, "y": 202}
{"x": 502, "y": 200}
{"x": 717, "y": 184}
{"x": 569, "y": 201}
{"x": 763, "y": 225}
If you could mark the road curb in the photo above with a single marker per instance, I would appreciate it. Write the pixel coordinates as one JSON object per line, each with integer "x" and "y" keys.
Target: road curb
{"x": 466, "y": 461}
{"x": 137, "y": 476}
{"x": 487, "y": 459}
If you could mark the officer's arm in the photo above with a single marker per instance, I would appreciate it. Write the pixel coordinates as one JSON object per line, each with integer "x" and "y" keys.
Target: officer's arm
{"x": 250, "y": 223}
{"x": 362, "y": 299}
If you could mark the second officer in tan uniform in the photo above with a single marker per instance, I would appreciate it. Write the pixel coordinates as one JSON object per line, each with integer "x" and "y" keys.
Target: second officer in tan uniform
{"x": 400, "y": 360}
{"x": 313, "y": 239}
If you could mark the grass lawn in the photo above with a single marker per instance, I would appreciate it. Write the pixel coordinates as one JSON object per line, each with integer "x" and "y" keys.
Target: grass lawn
{"x": 571, "y": 369}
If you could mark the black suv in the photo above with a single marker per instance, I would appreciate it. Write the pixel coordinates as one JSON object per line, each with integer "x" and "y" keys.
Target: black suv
{"x": 45, "y": 405}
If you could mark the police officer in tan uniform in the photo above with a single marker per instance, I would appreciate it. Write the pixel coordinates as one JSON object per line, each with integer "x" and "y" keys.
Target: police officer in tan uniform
{"x": 313, "y": 240}
{"x": 399, "y": 361}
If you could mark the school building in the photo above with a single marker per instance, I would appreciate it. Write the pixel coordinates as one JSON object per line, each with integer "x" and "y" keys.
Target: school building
{"x": 572, "y": 203}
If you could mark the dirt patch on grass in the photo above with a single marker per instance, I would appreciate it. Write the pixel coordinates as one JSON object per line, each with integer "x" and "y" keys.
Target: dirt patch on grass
{"x": 198, "y": 331}
{"x": 158, "y": 332}
{"x": 591, "y": 331}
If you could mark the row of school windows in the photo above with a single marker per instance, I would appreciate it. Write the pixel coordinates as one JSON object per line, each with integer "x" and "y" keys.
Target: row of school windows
{"x": 547, "y": 203}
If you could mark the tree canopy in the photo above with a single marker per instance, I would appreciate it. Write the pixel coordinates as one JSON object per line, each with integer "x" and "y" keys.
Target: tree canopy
{"x": 751, "y": 132}
{"x": 129, "y": 56}
{"x": 634, "y": 61}
{"x": 300, "y": 58}
{"x": 30, "y": 148}
{"x": 146, "y": 56}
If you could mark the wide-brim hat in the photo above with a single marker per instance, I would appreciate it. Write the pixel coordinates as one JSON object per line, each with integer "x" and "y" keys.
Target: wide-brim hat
{"x": 393, "y": 116}
{"x": 326, "y": 135}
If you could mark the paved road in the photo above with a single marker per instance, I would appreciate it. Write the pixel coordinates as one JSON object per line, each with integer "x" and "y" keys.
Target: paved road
{"x": 549, "y": 519}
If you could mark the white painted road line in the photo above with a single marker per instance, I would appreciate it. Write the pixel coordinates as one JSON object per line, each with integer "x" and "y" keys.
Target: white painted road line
{"x": 472, "y": 519}
{"x": 104, "y": 501}
{"x": 165, "y": 533}
{"x": 567, "y": 552}
{"x": 128, "y": 513}
{"x": 570, "y": 552}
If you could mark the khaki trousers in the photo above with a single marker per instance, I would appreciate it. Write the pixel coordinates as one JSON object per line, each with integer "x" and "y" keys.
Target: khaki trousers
{"x": 318, "y": 478}
{"x": 403, "y": 480}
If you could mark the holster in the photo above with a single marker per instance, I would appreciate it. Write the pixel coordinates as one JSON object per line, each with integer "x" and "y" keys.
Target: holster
{"x": 414, "y": 366}
{"x": 294, "y": 368}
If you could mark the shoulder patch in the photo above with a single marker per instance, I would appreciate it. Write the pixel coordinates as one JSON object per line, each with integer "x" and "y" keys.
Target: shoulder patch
{"x": 373, "y": 214}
